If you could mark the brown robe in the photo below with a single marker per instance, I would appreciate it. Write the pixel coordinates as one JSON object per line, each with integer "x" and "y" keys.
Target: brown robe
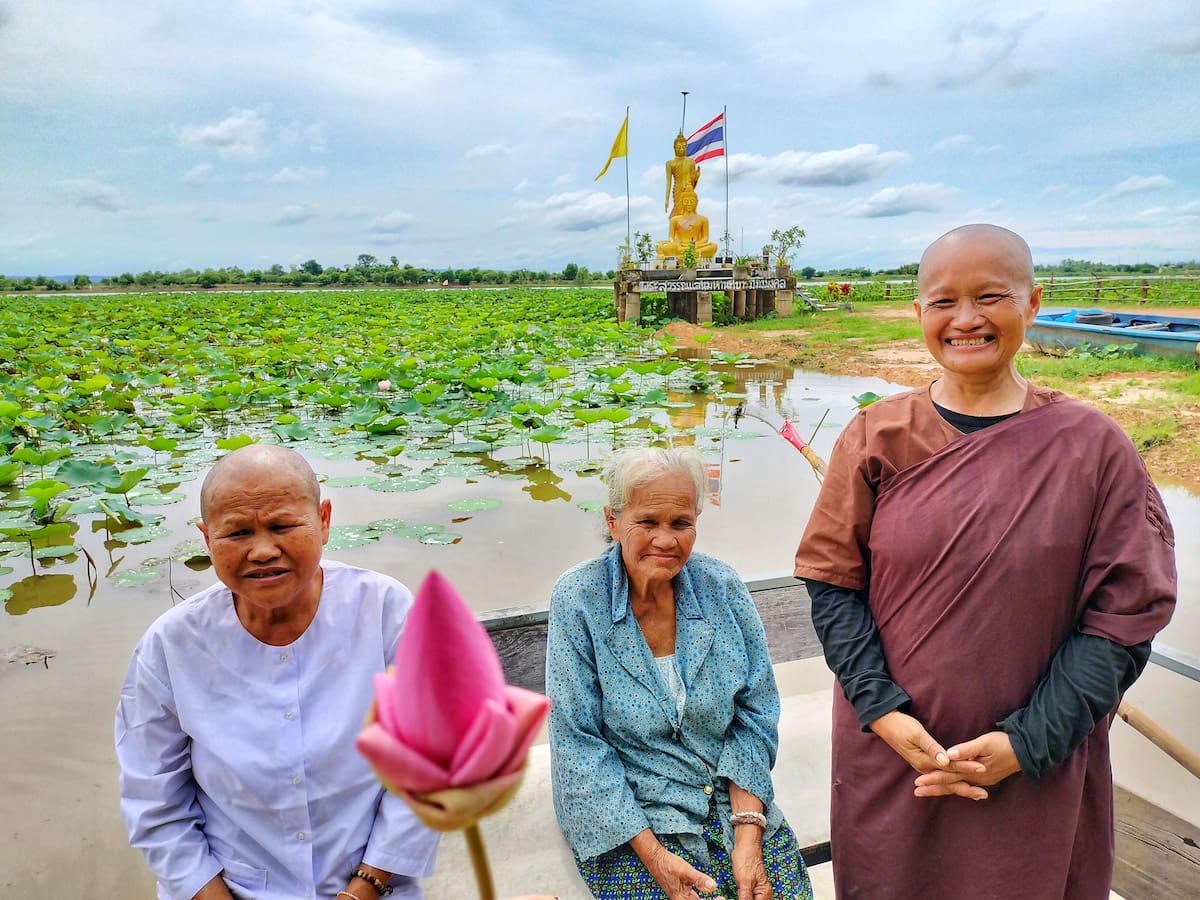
{"x": 982, "y": 553}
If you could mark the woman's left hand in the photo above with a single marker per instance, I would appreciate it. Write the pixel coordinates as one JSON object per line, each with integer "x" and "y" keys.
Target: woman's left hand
{"x": 993, "y": 750}
{"x": 749, "y": 874}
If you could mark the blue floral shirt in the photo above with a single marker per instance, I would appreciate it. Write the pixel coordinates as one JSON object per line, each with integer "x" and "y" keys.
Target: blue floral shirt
{"x": 622, "y": 761}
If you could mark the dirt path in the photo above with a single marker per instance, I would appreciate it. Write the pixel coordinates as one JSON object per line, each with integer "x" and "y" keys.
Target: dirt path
{"x": 1131, "y": 398}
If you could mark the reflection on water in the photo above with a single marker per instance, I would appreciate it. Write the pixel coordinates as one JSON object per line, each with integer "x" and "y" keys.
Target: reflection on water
{"x": 760, "y": 490}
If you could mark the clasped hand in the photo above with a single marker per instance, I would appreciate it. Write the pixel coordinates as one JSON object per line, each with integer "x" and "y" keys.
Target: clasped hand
{"x": 964, "y": 770}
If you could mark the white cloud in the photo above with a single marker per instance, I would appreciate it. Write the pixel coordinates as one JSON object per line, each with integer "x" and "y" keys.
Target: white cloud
{"x": 296, "y": 175}
{"x": 521, "y": 185}
{"x": 294, "y": 214}
{"x": 198, "y": 174}
{"x": 581, "y": 210}
{"x": 578, "y": 122}
{"x": 900, "y": 201}
{"x": 239, "y": 134}
{"x": 829, "y": 168}
{"x": 1154, "y": 212}
{"x": 981, "y": 47}
{"x": 389, "y": 227}
{"x": 1136, "y": 184}
{"x": 496, "y": 150}
{"x": 954, "y": 142}
{"x": 87, "y": 193}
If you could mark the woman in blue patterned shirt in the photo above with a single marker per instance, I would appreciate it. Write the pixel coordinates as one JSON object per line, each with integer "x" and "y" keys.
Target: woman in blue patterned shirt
{"x": 664, "y": 725}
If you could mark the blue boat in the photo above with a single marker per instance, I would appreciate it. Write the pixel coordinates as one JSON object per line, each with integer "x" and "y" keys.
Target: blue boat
{"x": 1062, "y": 330}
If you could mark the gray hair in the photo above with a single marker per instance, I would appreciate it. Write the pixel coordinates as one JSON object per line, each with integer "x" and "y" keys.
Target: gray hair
{"x": 629, "y": 470}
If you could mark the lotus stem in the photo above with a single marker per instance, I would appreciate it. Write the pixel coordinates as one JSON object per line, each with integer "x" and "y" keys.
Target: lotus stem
{"x": 479, "y": 860}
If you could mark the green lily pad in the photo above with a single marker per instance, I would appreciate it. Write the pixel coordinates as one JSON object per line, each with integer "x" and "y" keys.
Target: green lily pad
{"x": 441, "y": 537}
{"x": 460, "y": 470}
{"x": 136, "y": 577}
{"x": 382, "y": 525}
{"x": 57, "y": 551}
{"x": 403, "y": 484}
{"x": 154, "y": 498}
{"x": 418, "y": 531}
{"x": 473, "y": 504}
{"x": 743, "y": 435}
{"x": 143, "y": 535}
{"x": 470, "y": 447}
{"x": 353, "y": 480}
{"x": 591, "y": 506}
{"x": 428, "y": 453}
{"x": 344, "y": 537}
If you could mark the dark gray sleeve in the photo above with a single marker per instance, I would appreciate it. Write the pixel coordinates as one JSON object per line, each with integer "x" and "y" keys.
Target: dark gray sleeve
{"x": 843, "y": 622}
{"x": 1087, "y": 677}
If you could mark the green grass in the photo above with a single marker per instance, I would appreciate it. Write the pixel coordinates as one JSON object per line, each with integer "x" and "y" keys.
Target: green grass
{"x": 1160, "y": 432}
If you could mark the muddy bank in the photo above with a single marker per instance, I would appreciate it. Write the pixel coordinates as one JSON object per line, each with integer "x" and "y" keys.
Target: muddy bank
{"x": 1131, "y": 398}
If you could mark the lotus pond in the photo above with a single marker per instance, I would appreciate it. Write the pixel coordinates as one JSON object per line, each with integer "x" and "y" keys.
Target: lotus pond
{"x": 457, "y": 429}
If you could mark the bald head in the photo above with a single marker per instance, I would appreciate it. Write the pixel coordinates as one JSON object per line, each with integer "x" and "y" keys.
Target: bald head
{"x": 263, "y": 463}
{"x": 992, "y": 239}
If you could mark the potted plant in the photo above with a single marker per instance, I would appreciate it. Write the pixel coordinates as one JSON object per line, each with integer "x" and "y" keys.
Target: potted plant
{"x": 643, "y": 247}
{"x": 688, "y": 260}
{"x": 785, "y": 241}
{"x": 741, "y": 266}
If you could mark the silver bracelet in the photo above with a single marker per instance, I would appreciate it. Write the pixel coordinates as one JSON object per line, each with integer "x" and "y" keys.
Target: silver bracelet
{"x": 749, "y": 818}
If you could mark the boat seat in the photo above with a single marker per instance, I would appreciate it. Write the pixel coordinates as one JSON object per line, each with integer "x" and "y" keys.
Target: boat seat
{"x": 1148, "y": 326}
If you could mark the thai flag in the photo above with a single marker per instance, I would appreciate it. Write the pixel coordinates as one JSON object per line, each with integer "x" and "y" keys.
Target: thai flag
{"x": 709, "y": 141}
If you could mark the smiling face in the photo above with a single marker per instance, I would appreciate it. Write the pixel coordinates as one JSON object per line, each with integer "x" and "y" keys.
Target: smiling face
{"x": 265, "y": 531}
{"x": 975, "y": 300}
{"x": 656, "y": 529}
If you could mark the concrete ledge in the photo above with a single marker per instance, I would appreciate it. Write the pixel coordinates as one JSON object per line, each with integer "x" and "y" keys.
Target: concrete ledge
{"x": 529, "y": 855}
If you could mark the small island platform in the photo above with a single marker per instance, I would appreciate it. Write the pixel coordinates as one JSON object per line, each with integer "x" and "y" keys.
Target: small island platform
{"x": 752, "y": 294}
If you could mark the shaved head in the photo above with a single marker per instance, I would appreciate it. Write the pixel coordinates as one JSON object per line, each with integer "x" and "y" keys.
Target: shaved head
{"x": 263, "y": 462}
{"x": 998, "y": 240}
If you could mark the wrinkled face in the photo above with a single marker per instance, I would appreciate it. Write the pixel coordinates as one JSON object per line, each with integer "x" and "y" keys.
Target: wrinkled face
{"x": 657, "y": 528}
{"x": 974, "y": 302}
{"x": 265, "y": 535}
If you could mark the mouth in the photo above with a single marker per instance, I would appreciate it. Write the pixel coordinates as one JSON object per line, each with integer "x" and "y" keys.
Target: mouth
{"x": 978, "y": 341}
{"x": 263, "y": 574}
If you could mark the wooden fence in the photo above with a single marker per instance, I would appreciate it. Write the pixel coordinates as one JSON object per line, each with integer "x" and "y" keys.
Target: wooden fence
{"x": 1098, "y": 289}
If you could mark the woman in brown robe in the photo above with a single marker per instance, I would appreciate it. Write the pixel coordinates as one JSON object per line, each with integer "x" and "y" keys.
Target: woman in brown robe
{"x": 988, "y": 562}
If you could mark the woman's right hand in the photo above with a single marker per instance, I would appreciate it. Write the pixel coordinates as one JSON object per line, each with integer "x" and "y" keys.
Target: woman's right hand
{"x": 678, "y": 879}
{"x": 916, "y": 746}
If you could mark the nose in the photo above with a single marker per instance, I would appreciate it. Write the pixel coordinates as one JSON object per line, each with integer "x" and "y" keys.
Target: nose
{"x": 263, "y": 547}
{"x": 966, "y": 313}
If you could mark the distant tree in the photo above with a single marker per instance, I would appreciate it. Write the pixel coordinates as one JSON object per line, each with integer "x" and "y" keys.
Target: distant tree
{"x": 208, "y": 279}
{"x": 312, "y": 267}
{"x": 255, "y": 276}
{"x": 610, "y": 274}
{"x": 395, "y": 263}
{"x": 126, "y": 278}
{"x": 366, "y": 261}
{"x": 81, "y": 281}
{"x": 276, "y": 272}
{"x": 808, "y": 272}
{"x": 570, "y": 272}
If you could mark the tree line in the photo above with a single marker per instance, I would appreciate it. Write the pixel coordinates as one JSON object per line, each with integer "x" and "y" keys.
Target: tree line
{"x": 367, "y": 270}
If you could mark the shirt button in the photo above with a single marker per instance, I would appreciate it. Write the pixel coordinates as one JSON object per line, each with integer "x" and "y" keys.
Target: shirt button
{"x": 295, "y": 779}
{"x": 301, "y": 836}
{"x": 708, "y": 789}
{"x": 283, "y": 657}
{"x": 289, "y": 715}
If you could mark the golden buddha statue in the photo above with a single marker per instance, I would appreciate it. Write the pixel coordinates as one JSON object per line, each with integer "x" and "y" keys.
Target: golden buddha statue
{"x": 687, "y": 227}
{"x": 682, "y": 175}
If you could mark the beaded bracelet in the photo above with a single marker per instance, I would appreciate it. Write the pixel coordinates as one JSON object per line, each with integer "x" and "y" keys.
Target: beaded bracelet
{"x": 749, "y": 818}
{"x": 380, "y": 887}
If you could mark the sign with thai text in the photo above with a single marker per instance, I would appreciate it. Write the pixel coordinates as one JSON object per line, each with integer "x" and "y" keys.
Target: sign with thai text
{"x": 713, "y": 284}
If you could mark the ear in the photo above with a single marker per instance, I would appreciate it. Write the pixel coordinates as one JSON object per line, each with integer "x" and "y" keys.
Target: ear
{"x": 326, "y": 510}
{"x": 917, "y": 308}
{"x": 204, "y": 531}
{"x": 610, "y": 519}
{"x": 1035, "y": 304}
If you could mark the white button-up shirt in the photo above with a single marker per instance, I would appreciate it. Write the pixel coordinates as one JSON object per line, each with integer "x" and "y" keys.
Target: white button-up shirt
{"x": 238, "y": 757}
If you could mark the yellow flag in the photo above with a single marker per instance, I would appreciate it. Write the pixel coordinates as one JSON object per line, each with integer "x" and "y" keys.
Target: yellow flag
{"x": 620, "y": 147}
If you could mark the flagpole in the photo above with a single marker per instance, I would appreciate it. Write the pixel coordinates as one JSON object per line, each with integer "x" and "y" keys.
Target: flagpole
{"x": 683, "y": 119}
{"x": 725, "y": 126}
{"x": 628, "y": 239}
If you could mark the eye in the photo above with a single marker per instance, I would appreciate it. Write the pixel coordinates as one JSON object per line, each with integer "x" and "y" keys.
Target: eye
{"x": 941, "y": 303}
{"x": 990, "y": 298}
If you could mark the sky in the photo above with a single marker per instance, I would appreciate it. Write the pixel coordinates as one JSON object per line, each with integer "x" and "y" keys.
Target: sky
{"x": 154, "y": 134}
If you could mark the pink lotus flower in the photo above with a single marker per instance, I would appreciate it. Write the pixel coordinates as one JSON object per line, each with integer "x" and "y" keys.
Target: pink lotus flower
{"x": 447, "y": 734}
{"x": 385, "y": 385}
